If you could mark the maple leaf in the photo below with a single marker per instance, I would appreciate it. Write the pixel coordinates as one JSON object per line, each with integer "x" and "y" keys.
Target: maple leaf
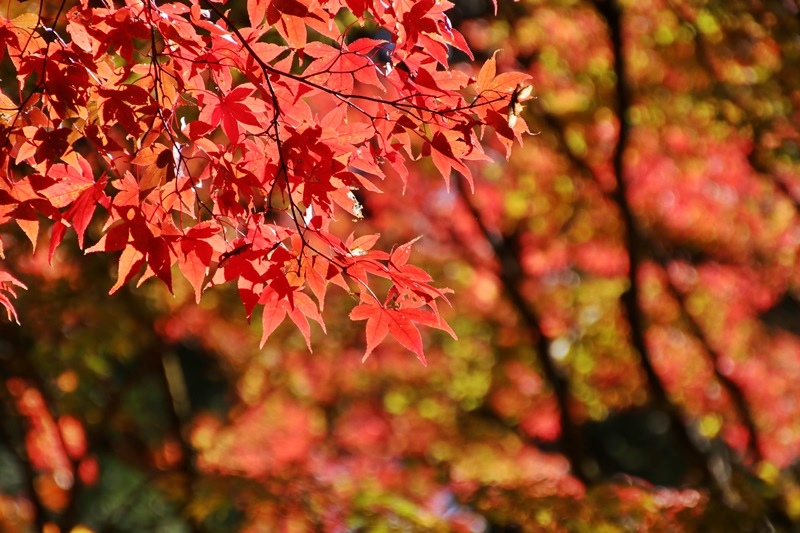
{"x": 231, "y": 112}
{"x": 70, "y": 182}
{"x": 448, "y": 151}
{"x": 75, "y": 188}
{"x": 196, "y": 255}
{"x": 400, "y": 323}
{"x": 7, "y": 284}
{"x": 256, "y": 12}
{"x": 130, "y": 262}
{"x": 299, "y": 310}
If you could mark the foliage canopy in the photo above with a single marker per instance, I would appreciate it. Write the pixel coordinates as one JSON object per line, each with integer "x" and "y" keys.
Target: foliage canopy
{"x": 625, "y": 286}
{"x": 226, "y": 150}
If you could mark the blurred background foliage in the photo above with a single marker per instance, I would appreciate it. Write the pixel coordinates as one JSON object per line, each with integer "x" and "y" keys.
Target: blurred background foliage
{"x": 578, "y": 397}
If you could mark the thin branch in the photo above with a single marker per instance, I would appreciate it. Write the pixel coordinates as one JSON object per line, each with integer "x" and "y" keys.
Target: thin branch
{"x": 179, "y": 412}
{"x": 509, "y": 271}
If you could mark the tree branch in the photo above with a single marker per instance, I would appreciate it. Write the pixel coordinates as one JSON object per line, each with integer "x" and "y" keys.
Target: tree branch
{"x": 715, "y": 468}
{"x": 630, "y": 297}
{"x": 509, "y": 272}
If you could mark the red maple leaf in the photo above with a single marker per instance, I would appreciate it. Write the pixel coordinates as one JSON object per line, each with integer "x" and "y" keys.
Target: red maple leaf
{"x": 400, "y": 323}
{"x": 230, "y": 110}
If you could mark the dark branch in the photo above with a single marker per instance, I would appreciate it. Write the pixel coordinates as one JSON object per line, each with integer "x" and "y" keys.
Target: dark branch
{"x": 630, "y": 298}
{"x": 509, "y": 273}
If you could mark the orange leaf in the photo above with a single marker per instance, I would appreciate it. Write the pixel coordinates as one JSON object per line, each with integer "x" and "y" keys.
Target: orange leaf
{"x": 129, "y": 263}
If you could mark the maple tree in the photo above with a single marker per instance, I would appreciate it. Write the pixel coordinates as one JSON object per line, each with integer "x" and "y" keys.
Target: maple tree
{"x": 625, "y": 288}
{"x": 228, "y": 150}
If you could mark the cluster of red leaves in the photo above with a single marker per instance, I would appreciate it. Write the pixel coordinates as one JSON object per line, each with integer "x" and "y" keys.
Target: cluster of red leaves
{"x": 229, "y": 150}
{"x": 57, "y": 448}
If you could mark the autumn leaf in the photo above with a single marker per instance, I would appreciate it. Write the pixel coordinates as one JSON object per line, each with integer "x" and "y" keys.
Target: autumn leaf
{"x": 7, "y": 284}
{"x": 231, "y": 112}
{"x": 70, "y": 182}
{"x": 400, "y": 323}
{"x": 195, "y": 256}
{"x": 129, "y": 263}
